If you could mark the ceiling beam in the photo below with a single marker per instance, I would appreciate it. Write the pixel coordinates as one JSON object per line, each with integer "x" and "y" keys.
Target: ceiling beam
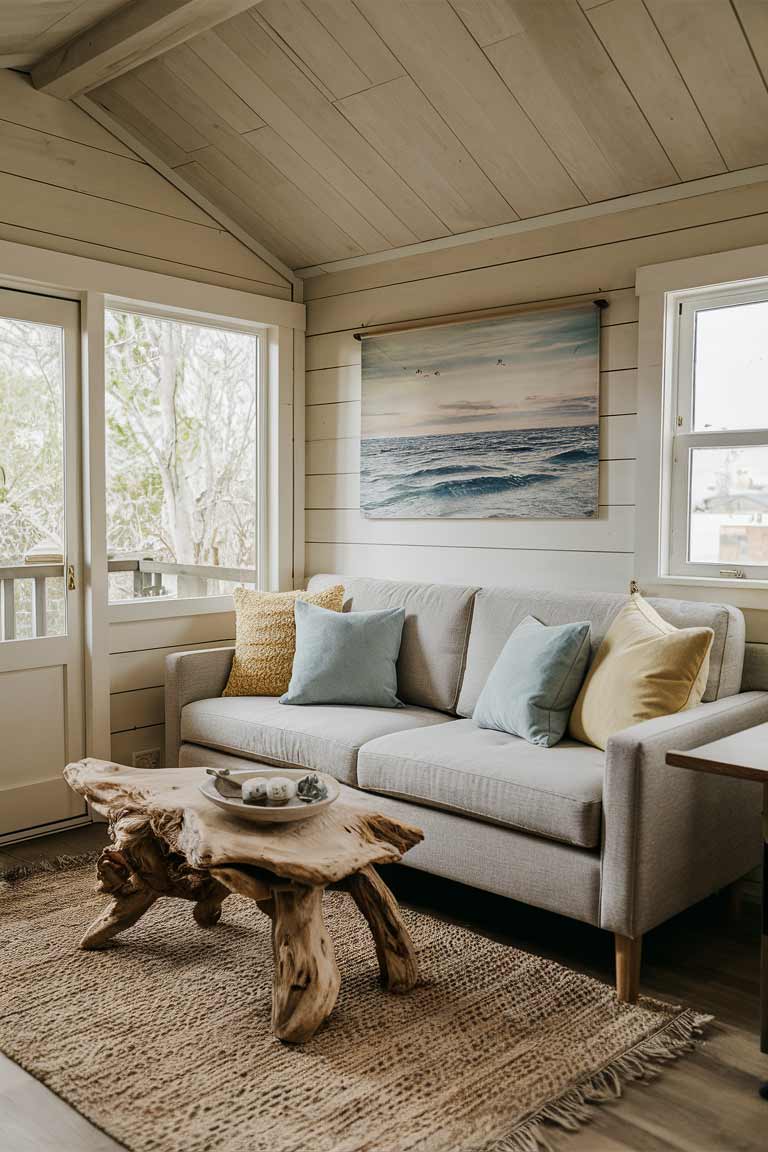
{"x": 129, "y": 37}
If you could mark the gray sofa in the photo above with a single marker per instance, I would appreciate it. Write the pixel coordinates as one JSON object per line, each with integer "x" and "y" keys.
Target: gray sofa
{"x": 614, "y": 838}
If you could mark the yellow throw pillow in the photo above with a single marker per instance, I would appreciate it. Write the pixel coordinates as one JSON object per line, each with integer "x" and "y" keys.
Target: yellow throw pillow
{"x": 644, "y": 668}
{"x": 265, "y": 638}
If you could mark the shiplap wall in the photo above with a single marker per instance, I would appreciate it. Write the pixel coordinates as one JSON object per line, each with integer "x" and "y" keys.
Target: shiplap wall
{"x": 69, "y": 185}
{"x": 137, "y": 672}
{"x": 575, "y": 260}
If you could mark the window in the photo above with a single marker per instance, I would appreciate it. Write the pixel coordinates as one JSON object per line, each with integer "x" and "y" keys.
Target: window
{"x": 719, "y": 436}
{"x": 183, "y": 448}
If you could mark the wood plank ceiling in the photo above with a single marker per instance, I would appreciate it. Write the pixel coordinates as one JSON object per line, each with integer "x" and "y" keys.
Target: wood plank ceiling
{"x": 328, "y": 129}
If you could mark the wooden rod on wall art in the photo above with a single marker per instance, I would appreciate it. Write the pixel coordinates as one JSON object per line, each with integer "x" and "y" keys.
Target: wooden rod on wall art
{"x": 469, "y": 317}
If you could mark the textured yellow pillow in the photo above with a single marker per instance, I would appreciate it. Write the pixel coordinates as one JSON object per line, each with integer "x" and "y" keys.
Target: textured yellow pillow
{"x": 265, "y": 638}
{"x": 644, "y": 668}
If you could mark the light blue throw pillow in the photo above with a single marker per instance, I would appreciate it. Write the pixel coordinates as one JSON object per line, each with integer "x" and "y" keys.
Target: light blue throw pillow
{"x": 345, "y": 657}
{"x": 535, "y": 681}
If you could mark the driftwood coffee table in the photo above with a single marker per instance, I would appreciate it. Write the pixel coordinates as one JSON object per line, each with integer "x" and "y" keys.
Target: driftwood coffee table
{"x": 167, "y": 840}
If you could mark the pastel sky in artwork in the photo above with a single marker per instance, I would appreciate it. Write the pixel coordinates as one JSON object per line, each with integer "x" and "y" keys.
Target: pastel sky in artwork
{"x": 533, "y": 370}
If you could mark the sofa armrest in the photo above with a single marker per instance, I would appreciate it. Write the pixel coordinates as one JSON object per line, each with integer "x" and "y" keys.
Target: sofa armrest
{"x": 672, "y": 836}
{"x": 189, "y": 676}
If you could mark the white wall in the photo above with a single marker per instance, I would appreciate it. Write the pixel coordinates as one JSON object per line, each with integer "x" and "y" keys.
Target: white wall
{"x": 586, "y": 259}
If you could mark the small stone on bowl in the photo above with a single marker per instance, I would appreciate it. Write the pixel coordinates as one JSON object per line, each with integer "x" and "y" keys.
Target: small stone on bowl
{"x": 255, "y": 791}
{"x": 280, "y": 789}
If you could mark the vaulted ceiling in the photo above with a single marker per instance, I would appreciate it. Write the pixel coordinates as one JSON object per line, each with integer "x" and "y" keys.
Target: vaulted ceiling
{"x": 327, "y": 129}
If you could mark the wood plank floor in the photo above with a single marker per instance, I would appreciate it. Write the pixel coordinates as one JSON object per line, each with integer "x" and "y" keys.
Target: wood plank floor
{"x": 707, "y": 958}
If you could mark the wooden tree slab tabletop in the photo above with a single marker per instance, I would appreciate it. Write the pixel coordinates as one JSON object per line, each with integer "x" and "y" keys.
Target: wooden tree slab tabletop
{"x": 168, "y": 840}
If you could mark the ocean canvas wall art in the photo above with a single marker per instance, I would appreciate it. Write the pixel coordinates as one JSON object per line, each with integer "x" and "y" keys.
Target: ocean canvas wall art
{"x": 494, "y": 418}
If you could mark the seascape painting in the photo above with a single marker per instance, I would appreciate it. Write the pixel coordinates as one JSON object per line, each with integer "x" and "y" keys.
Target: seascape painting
{"x": 493, "y": 418}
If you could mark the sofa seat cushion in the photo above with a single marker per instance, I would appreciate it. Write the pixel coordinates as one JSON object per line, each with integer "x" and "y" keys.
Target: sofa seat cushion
{"x": 554, "y": 792}
{"x": 322, "y": 738}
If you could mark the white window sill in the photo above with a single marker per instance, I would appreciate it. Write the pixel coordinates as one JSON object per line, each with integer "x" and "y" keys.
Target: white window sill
{"x": 741, "y": 593}
{"x": 166, "y": 608}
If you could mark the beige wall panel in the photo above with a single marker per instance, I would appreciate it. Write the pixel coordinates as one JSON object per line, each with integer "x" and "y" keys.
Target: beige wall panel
{"x": 608, "y": 572}
{"x": 611, "y": 228}
{"x": 124, "y": 744}
{"x": 138, "y": 709}
{"x": 332, "y": 351}
{"x": 146, "y": 669}
{"x": 22, "y": 104}
{"x": 113, "y": 255}
{"x": 134, "y": 635}
{"x": 618, "y": 392}
{"x": 37, "y": 155}
{"x": 330, "y": 385}
{"x": 32, "y": 204}
{"x": 612, "y": 531}
{"x": 564, "y": 274}
{"x": 325, "y": 457}
{"x": 618, "y": 347}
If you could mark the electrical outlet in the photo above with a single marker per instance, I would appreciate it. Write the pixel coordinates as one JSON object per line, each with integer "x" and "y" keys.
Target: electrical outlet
{"x": 147, "y": 758}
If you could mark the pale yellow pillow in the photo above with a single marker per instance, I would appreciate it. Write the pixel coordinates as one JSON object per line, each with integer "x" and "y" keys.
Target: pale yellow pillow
{"x": 265, "y": 638}
{"x": 644, "y": 668}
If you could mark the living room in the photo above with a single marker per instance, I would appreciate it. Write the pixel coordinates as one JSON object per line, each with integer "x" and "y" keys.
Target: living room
{"x": 382, "y": 571}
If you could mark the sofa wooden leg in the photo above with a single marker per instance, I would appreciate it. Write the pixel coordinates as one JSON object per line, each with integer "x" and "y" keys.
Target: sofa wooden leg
{"x": 628, "y": 967}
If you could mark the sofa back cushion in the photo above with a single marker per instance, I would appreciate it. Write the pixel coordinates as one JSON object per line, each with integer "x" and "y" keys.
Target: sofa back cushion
{"x": 498, "y": 611}
{"x": 433, "y": 648}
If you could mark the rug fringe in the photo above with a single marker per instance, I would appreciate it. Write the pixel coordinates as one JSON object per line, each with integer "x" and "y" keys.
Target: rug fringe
{"x": 19, "y": 872}
{"x": 576, "y": 1106}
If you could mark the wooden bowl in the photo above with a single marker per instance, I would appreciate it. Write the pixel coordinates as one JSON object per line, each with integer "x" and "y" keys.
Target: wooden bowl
{"x": 269, "y": 813}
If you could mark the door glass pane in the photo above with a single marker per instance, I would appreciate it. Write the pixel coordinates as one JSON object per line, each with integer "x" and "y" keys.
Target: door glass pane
{"x": 729, "y": 506}
{"x": 731, "y": 368}
{"x": 32, "y": 537}
{"x": 181, "y": 440}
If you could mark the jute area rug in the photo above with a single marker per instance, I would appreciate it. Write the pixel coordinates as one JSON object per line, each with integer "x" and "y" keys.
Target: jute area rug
{"x": 163, "y": 1039}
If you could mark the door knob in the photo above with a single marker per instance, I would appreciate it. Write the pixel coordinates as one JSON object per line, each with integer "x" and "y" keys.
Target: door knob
{"x": 71, "y": 581}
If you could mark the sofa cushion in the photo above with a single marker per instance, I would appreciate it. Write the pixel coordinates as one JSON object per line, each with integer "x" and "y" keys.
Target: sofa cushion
{"x": 498, "y": 611}
{"x": 555, "y": 792}
{"x": 433, "y": 647}
{"x": 324, "y": 738}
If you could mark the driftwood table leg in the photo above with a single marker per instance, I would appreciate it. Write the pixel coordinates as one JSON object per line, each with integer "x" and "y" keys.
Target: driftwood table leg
{"x": 123, "y": 910}
{"x": 207, "y": 910}
{"x": 394, "y": 947}
{"x": 306, "y": 977}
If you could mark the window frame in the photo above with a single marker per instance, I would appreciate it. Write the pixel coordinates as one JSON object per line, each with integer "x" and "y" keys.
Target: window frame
{"x": 146, "y": 608}
{"x": 681, "y": 439}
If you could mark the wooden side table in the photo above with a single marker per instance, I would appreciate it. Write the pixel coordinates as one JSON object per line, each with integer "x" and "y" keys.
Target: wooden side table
{"x": 745, "y": 757}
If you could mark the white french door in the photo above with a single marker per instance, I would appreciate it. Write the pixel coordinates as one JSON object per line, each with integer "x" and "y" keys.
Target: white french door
{"x": 41, "y": 627}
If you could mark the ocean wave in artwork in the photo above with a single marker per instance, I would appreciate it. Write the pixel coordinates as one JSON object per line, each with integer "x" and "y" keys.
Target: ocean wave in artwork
{"x": 528, "y": 473}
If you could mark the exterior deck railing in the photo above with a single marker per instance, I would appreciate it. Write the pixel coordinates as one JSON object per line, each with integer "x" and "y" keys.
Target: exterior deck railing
{"x": 147, "y": 582}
